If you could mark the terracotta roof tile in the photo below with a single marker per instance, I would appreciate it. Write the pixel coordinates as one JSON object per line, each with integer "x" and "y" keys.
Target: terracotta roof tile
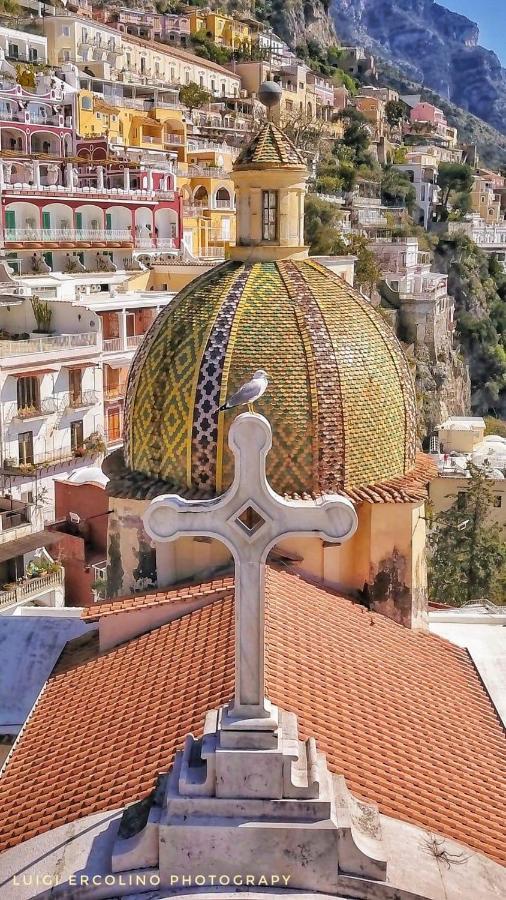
{"x": 402, "y": 714}
{"x": 218, "y": 588}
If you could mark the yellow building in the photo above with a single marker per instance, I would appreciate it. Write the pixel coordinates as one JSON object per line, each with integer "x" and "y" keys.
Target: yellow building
{"x": 222, "y": 29}
{"x": 341, "y": 402}
{"x": 298, "y": 93}
{"x": 208, "y": 202}
{"x": 373, "y": 108}
{"x": 484, "y": 200}
{"x": 159, "y": 129}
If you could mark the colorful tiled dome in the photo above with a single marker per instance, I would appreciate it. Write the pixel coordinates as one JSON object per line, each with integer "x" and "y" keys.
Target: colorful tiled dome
{"x": 340, "y": 400}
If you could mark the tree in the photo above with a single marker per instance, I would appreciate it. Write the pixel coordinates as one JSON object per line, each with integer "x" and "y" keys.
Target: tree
{"x": 466, "y": 552}
{"x": 367, "y": 269}
{"x": 193, "y": 96}
{"x": 321, "y": 223}
{"x": 397, "y": 190}
{"x": 453, "y": 177}
{"x": 395, "y": 112}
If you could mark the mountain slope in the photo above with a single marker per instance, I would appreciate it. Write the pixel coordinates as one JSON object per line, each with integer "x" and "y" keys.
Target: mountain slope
{"x": 432, "y": 46}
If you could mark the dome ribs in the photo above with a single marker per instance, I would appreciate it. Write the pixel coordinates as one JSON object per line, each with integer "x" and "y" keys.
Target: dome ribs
{"x": 204, "y": 437}
{"x": 328, "y": 423}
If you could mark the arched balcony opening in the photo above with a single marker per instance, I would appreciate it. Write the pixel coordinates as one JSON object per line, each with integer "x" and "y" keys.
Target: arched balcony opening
{"x": 22, "y": 222}
{"x": 13, "y": 139}
{"x": 201, "y": 198}
{"x": 223, "y": 200}
{"x": 166, "y": 229}
{"x": 45, "y": 142}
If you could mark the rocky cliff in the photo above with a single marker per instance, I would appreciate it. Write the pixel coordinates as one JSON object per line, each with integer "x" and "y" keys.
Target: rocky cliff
{"x": 432, "y": 46}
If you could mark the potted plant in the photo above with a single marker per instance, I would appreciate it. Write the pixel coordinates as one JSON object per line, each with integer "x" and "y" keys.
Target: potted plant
{"x": 43, "y": 315}
{"x": 95, "y": 443}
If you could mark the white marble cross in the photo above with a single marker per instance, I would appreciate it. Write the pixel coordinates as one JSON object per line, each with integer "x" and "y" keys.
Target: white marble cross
{"x": 250, "y": 518}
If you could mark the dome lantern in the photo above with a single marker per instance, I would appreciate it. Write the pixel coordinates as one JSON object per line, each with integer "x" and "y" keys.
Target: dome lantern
{"x": 270, "y": 180}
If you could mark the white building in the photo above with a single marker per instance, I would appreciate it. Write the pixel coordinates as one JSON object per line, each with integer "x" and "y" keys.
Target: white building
{"x": 423, "y": 175}
{"x": 51, "y": 396}
{"x": 22, "y": 46}
{"x": 425, "y": 310}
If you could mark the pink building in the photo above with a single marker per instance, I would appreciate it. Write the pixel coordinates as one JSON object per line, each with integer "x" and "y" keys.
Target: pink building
{"x": 426, "y": 112}
{"x": 168, "y": 27}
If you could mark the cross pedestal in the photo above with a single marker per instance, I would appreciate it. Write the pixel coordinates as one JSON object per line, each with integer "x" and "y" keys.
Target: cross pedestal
{"x": 250, "y": 518}
{"x": 249, "y": 797}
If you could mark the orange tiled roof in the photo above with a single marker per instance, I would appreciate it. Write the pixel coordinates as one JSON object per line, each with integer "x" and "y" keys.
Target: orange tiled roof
{"x": 219, "y": 587}
{"x": 402, "y": 714}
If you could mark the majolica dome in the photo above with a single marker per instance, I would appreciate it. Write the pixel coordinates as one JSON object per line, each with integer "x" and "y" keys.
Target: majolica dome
{"x": 340, "y": 399}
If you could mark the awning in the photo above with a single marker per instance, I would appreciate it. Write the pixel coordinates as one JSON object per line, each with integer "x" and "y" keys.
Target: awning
{"x": 120, "y": 362}
{"x": 22, "y": 545}
{"x": 32, "y": 373}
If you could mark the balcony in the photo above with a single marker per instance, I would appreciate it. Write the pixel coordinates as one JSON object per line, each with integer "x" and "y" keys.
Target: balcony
{"x": 49, "y": 344}
{"x": 112, "y": 345}
{"x": 223, "y": 204}
{"x": 43, "y": 408}
{"x": 115, "y": 392}
{"x": 29, "y": 588}
{"x": 133, "y": 341}
{"x": 116, "y": 344}
{"x": 82, "y": 400}
{"x": 74, "y": 235}
{"x": 15, "y": 519}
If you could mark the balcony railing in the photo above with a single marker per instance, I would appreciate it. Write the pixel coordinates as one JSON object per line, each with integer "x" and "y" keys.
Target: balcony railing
{"x": 49, "y": 344}
{"x": 133, "y": 340}
{"x": 67, "y": 234}
{"x": 31, "y": 587}
{"x": 223, "y": 204}
{"x": 111, "y": 345}
{"x": 43, "y": 408}
{"x": 115, "y": 392}
{"x": 82, "y": 400}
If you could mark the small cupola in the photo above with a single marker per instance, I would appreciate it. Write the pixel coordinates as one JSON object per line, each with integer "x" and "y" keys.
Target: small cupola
{"x": 270, "y": 181}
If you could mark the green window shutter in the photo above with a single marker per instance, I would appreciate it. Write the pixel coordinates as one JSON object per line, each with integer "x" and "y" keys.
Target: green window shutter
{"x": 108, "y": 222}
{"x": 46, "y": 220}
{"x": 10, "y": 219}
{"x": 79, "y": 221}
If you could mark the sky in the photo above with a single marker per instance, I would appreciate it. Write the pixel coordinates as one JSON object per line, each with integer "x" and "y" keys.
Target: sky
{"x": 490, "y": 16}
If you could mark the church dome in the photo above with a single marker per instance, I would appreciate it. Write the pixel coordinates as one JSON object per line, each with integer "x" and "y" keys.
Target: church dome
{"x": 340, "y": 400}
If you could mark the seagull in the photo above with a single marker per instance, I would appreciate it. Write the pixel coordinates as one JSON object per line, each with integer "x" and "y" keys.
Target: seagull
{"x": 249, "y": 392}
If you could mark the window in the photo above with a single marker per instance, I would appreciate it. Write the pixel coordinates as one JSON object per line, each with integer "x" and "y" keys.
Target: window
{"x": 86, "y": 103}
{"x": 498, "y": 501}
{"x": 28, "y": 393}
{"x": 76, "y": 435}
{"x": 75, "y": 385}
{"x": 269, "y": 215}
{"x": 32, "y": 54}
{"x": 14, "y": 51}
{"x": 66, "y": 31}
{"x": 25, "y": 447}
